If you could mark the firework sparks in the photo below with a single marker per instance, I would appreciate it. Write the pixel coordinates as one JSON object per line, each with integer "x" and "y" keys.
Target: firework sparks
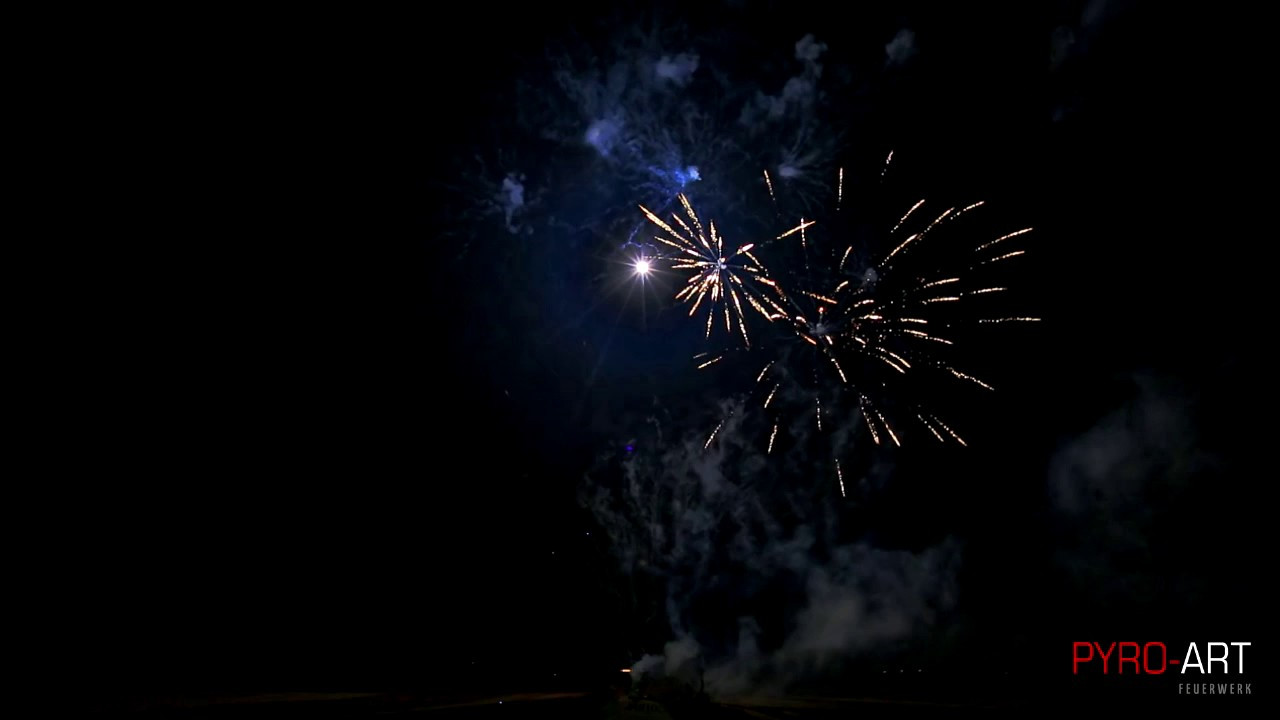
{"x": 803, "y": 224}
{"x": 867, "y": 410}
{"x": 1006, "y": 256}
{"x": 868, "y": 332}
{"x": 1002, "y": 238}
{"x": 927, "y": 336}
{"x": 936, "y": 283}
{"x": 916, "y": 237}
{"x": 984, "y": 291}
{"x": 892, "y": 436}
{"x": 967, "y": 208}
{"x": 970, "y": 378}
{"x": 713, "y": 434}
{"x": 907, "y": 215}
{"x": 925, "y": 422}
{"x": 884, "y": 321}
{"x": 771, "y": 394}
{"x": 765, "y": 370}
{"x": 861, "y": 321}
{"x": 720, "y": 279}
{"x": 949, "y": 431}
{"x": 834, "y": 361}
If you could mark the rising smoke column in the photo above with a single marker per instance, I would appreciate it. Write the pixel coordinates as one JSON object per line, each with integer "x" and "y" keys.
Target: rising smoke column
{"x": 751, "y": 569}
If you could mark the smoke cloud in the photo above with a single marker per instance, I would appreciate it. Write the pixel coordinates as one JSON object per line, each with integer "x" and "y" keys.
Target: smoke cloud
{"x": 758, "y": 585}
{"x": 901, "y": 48}
{"x": 660, "y": 111}
{"x": 1116, "y": 491}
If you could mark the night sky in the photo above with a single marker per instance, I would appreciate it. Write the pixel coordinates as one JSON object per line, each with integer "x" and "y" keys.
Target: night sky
{"x": 360, "y": 433}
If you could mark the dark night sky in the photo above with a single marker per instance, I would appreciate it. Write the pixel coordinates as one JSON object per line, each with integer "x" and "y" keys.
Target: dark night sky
{"x": 350, "y": 458}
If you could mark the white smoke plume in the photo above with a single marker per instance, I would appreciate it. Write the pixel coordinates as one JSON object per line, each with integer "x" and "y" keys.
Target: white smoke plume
{"x": 708, "y": 523}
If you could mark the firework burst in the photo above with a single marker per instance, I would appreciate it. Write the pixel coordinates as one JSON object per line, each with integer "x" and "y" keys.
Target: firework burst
{"x": 873, "y": 338}
{"x": 721, "y": 281}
